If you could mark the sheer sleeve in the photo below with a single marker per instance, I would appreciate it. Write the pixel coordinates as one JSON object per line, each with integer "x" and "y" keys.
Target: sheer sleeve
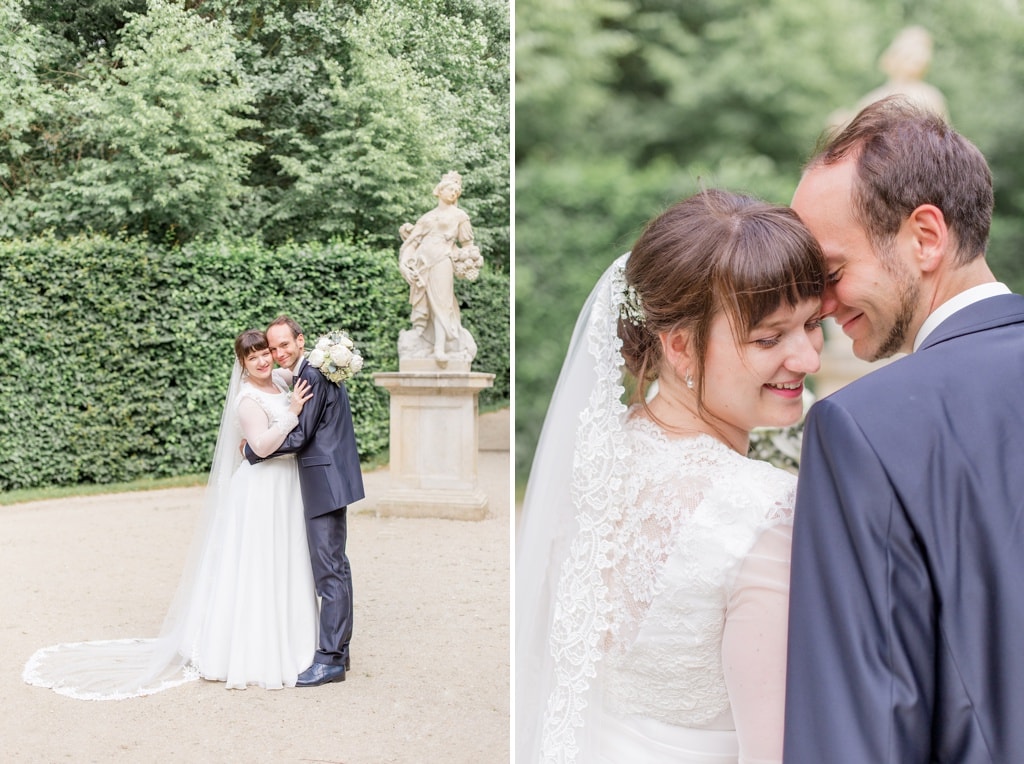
{"x": 263, "y": 435}
{"x": 754, "y": 646}
{"x": 283, "y": 377}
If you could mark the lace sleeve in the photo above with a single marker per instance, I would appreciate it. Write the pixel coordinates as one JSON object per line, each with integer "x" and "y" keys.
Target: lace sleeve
{"x": 262, "y": 433}
{"x": 754, "y": 645}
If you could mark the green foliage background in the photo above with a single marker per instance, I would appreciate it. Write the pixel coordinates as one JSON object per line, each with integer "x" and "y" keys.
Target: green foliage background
{"x": 175, "y": 171}
{"x": 118, "y": 351}
{"x": 625, "y": 106}
{"x": 286, "y": 120}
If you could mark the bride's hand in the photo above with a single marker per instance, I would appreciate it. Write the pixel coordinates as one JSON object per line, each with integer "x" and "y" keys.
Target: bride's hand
{"x": 300, "y": 394}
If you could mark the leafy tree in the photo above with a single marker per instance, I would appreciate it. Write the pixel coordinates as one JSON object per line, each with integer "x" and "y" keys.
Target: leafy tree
{"x": 83, "y": 25}
{"x": 362, "y": 106}
{"x": 26, "y": 106}
{"x": 286, "y": 47}
{"x": 566, "y": 62}
{"x": 385, "y": 140}
{"x": 417, "y": 97}
{"x": 158, "y": 119}
{"x": 287, "y": 119}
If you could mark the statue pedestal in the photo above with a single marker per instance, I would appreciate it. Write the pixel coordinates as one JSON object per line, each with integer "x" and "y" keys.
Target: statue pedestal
{"x": 433, "y": 444}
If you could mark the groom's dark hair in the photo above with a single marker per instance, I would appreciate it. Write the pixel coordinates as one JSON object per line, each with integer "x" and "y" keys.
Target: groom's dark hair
{"x": 291, "y": 323}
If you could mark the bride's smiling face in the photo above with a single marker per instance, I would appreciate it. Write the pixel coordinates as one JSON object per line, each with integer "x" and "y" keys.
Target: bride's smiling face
{"x": 259, "y": 364}
{"x": 759, "y": 381}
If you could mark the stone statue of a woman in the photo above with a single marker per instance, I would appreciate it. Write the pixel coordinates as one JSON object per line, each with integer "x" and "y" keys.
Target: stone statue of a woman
{"x": 435, "y": 251}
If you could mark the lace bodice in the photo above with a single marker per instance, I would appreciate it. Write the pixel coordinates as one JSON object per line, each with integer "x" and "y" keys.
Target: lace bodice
{"x": 695, "y": 509}
{"x": 690, "y": 511}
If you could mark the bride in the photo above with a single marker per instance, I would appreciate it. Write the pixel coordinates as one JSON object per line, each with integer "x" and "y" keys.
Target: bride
{"x": 245, "y": 611}
{"x": 652, "y": 565}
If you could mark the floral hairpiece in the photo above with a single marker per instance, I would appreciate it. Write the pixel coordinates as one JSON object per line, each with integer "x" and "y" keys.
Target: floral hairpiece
{"x": 631, "y": 309}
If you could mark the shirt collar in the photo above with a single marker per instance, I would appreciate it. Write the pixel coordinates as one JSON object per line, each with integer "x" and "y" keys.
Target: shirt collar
{"x": 955, "y": 303}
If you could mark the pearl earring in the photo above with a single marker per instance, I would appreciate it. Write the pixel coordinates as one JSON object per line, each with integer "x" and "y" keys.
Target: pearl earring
{"x": 688, "y": 379}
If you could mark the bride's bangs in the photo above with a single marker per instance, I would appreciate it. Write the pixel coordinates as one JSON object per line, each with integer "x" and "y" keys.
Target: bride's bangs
{"x": 248, "y": 342}
{"x": 777, "y": 263}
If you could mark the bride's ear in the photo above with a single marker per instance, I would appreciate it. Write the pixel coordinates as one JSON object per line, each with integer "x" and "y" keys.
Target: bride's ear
{"x": 676, "y": 348}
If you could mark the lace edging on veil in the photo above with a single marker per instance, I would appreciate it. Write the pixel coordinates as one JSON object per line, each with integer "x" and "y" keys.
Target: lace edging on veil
{"x": 65, "y": 669}
{"x": 599, "y": 471}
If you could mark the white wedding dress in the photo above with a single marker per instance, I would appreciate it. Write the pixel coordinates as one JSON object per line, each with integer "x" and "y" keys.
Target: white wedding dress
{"x": 701, "y": 570}
{"x": 652, "y": 586}
{"x": 246, "y": 611}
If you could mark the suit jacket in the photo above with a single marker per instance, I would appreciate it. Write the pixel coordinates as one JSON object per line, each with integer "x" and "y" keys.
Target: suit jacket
{"x": 325, "y": 445}
{"x": 907, "y": 603}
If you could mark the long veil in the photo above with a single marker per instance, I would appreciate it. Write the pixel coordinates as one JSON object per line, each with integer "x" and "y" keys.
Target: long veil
{"x": 128, "y": 668}
{"x": 568, "y": 498}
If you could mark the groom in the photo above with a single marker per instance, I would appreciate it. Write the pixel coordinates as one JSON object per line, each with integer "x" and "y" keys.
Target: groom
{"x": 325, "y": 444}
{"x": 906, "y": 613}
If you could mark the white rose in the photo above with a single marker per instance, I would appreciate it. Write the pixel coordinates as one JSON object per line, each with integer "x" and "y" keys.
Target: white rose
{"x": 316, "y": 357}
{"x": 347, "y": 342}
{"x": 341, "y": 355}
{"x": 324, "y": 344}
{"x": 357, "y": 363}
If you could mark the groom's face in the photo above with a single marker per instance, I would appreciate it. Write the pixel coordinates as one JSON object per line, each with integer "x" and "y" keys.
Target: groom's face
{"x": 284, "y": 346}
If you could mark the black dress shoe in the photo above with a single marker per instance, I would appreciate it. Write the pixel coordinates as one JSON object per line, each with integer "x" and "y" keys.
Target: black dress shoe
{"x": 320, "y": 673}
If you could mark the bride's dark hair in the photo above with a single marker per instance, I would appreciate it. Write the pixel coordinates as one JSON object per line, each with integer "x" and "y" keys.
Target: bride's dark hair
{"x": 249, "y": 341}
{"x": 714, "y": 251}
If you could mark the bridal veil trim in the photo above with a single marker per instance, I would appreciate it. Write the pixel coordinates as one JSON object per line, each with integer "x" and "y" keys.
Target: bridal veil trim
{"x": 566, "y": 524}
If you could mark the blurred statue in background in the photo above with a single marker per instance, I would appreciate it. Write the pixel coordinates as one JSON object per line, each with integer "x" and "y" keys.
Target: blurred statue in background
{"x": 435, "y": 251}
{"x": 905, "y": 62}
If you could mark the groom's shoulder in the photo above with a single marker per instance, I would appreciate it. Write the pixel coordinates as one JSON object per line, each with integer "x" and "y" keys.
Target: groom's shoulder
{"x": 320, "y": 383}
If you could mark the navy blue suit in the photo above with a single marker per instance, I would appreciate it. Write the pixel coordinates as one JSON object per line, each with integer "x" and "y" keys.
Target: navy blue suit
{"x": 328, "y": 458}
{"x": 906, "y": 630}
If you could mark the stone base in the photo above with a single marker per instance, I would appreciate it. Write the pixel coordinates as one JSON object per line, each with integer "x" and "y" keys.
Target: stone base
{"x": 434, "y": 444}
{"x": 431, "y": 365}
{"x": 438, "y": 503}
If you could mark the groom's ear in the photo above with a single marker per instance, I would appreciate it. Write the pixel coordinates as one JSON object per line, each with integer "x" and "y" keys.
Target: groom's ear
{"x": 929, "y": 235}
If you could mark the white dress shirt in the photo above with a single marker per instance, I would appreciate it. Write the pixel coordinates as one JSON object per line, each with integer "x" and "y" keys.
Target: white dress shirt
{"x": 955, "y": 303}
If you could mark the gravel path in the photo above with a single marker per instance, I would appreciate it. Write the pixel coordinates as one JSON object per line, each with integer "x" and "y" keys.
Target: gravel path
{"x": 430, "y": 656}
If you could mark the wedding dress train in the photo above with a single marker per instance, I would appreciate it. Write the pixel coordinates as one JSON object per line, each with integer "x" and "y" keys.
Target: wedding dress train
{"x": 245, "y": 612}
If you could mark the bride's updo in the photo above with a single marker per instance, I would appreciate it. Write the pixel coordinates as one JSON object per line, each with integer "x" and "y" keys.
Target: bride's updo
{"x": 714, "y": 251}
{"x": 249, "y": 341}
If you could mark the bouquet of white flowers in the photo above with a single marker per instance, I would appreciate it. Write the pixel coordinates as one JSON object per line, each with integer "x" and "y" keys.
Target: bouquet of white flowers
{"x": 336, "y": 357}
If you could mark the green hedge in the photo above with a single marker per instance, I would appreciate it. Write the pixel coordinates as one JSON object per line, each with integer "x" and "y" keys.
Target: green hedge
{"x": 117, "y": 353}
